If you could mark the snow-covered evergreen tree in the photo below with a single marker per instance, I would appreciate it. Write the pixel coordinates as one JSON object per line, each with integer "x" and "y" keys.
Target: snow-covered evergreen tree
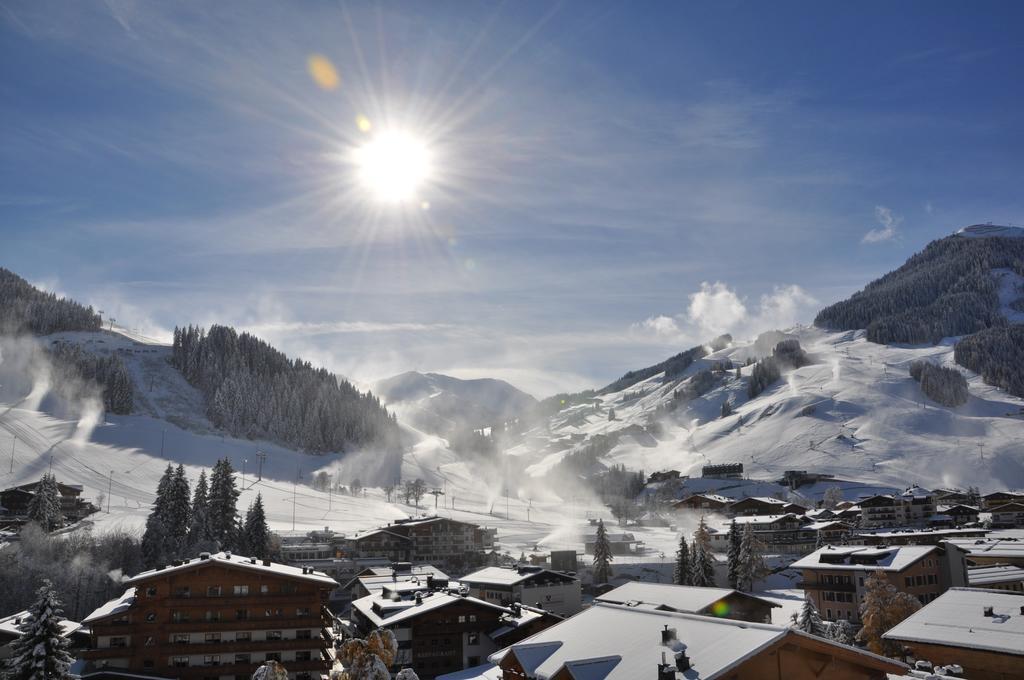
{"x": 735, "y": 541}
{"x": 156, "y": 540}
{"x": 809, "y": 620}
{"x": 178, "y": 513}
{"x": 702, "y": 565}
{"x": 199, "y": 537}
{"x": 44, "y": 506}
{"x": 833, "y": 496}
{"x": 407, "y": 674}
{"x": 223, "y": 505}
{"x": 681, "y": 573}
{"x": 883, "y": 607}
{"x": 602, "y": 555}
{"x": 41, "y": 653}
{"x": 842, "y": 632}
{"x": 255, "y": 531}
{"x": 751, "y": 563}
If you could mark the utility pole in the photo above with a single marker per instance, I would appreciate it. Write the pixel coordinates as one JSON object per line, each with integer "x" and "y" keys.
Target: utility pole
{"x": 295, "y": 491}
{"x": 110, "y": 487}
{"x": 262, "y": 457}
{"x": 13, "y": 442}
{"x": 435, "y": 493}
{"x": 330, "y": 491}
{"x": 163, "y": 435}
{"x": 244, "y": 461}
{"x": 981, "y": 449}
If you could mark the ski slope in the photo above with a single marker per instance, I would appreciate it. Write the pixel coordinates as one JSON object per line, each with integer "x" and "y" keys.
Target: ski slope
{"x": 855, "y": 413}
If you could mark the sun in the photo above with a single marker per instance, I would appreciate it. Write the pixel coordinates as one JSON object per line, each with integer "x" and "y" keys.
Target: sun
{"x": 393, "y": 166}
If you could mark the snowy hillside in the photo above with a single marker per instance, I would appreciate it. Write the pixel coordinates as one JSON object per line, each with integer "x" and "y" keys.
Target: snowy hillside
{"x": 439, "y": 403}
{"x": 854, "y": 413}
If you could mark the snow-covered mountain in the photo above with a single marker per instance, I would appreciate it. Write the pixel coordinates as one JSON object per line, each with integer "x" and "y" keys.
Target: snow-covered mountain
{"x": 439, "y": 403}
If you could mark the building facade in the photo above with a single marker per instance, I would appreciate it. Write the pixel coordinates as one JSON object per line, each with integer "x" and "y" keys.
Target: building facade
{"x": 552, "y": 591}
{"x": 215, "y": 617}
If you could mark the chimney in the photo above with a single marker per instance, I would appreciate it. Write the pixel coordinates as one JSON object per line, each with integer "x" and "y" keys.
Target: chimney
{"x": 419, "y": 597}
{"x": 430, "y": 582}
{"x": 204, "y": 555}
{"x": 987, "y": 611}
{"x": 266, "y": 563}
{"x": 668, "y": 635}
{"x": 1022, "y": 611}
{"x": 227, "y": 554}
{"x": 682, "y": 661}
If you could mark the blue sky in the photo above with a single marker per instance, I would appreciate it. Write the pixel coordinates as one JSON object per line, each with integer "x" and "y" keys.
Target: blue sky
{"x": 614, "y": 181}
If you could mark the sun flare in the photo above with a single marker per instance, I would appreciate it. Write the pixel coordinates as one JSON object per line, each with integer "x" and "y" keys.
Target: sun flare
{"x": 393, "y": 166}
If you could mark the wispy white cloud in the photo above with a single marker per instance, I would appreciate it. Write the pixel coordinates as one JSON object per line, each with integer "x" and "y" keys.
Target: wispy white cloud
{"x": 886, "y": 231}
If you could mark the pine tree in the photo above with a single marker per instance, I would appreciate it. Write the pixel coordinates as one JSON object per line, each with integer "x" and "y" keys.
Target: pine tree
{"x": 602, "y": 555}
{"x": 703, "y": 558}
{"x": 223, "y": 505}
{"x": 809, "y": 621}
{"x": 44, "y": 508}
{"x": 178, "y": 513}
{"x": 41, "y": 653}
{"x": 751, "y": 563}
{"x": 156, "y": 548}
{"x": 735, "y": 542}
{"x": 199, "y": 537}
{"x": 681, "y": 574}
{"x": 883, "y": 607}
{"x": 256, "y": 532}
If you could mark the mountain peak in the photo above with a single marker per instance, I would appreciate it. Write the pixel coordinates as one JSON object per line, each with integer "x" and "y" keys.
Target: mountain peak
{"x": 990, "y": 230}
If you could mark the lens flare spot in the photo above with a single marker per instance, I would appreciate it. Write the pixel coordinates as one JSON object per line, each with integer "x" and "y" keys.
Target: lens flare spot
{"x": 720, "y": 609}
{"x": 470, "y": 265}
{"x": 323, "y": 73}
{"x": 363, "y": 123}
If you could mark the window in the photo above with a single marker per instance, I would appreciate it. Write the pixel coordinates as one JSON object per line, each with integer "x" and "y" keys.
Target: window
{"x": 932, "y": 580}
{"x": 472, "y": 618}
{"x": 211, "y": 660}
{"x": 273, "y": 635}
{"x": 179, "y": 661}
{"x": 303, "y": 635}
{"x": 289, "y": 589}
{"x": 302, "y": 656}
{"x": 213, "y": 591}
{"x": 241, "y": 590}
{"x": 241, "y": 614}
{"x": 147, "y": 663}
{"x": 213, "y": 638}
{"x": 242, "y": 658}
{"x": 828, "y": 614}
{"x": 462, "y": 618}
{"x": 861, "y": 581}
{"x": 183, "y": 591}
{"x": 180, "y": 639}
{"x": 151, "y": 592}
{"x": 273, "y": 656}
{"x": 212, "y": 616}
{"x": 908, "y": 581}
{"x": 150, "y": 641}
{"x": 473, "y": 639}
{"x": 301, "y": 612}
{"x": 264, "y": 589}
{"x": 118, "y": 642}
{"x": 243, "y": 637}
{"x": 830, "y": 596}
{"x": 919, "y": 580}
{"x": 179, "y": 617}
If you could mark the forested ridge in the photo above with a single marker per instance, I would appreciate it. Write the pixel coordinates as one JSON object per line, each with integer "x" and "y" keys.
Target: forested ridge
{"x": 945, "y": 290}
{"x": 997, "y": 354}
{"x": 26, "y": 309}
{"x": 253, "y": 390}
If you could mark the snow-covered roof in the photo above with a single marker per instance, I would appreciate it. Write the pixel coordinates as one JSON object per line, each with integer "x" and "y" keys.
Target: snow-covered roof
{"x": 388, "y": 612}
{"x": 115, "y": 606}
{"x": 864, "y": 558}
{"x": 386, "y": 576}
{"x": 979, "y": 577}
{"x": 755, "y": 520}
{"x": 623, "y": 643}
{"x": 689, "y": 599}
{"x": 508, "y": 576}
{"x": 957, "y": 618}
{"x": 892, "y": 534}
{"x": 11, "y": 625}
{"x": 763, "y": 499}
{"x": 991, "y": 547}
{"x": 725, "y": 500}
{"x": 487, "y": 671}
{"x": 828, "y": 524}
{"x": 247, "y": 563}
